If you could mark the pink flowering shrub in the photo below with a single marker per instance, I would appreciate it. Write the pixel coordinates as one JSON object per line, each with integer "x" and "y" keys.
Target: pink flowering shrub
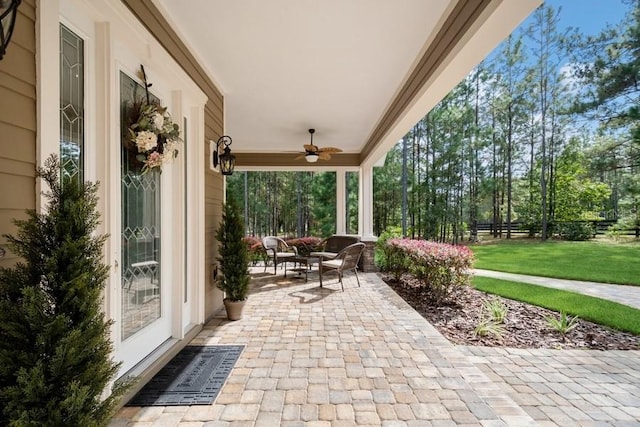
{"x": 305, "y": 245}
{"x": 439, "y": 267}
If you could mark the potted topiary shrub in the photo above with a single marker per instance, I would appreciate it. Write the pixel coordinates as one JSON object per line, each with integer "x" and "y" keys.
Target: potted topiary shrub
{"x": 55, "y": 350}
{"x": 233, "y": 279}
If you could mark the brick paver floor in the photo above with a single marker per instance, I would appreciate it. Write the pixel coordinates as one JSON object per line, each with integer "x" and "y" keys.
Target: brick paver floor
{"x": 323, "y": 357}
{"x": 567, "y": 387}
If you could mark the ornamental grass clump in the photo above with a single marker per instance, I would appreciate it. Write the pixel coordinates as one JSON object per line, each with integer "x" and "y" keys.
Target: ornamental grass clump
{"x": 441, "y": 268}
{"x": 496, "y": 309}
{"x": 487, "y": 327}
{"x": 562, "y": 324}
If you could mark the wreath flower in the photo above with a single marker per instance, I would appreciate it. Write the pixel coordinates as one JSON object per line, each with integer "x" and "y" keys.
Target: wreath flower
{"x": 154, "y": 135}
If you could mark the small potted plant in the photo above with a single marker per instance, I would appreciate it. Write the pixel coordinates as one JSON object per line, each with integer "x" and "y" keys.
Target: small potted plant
{"x": 233, "y": 279}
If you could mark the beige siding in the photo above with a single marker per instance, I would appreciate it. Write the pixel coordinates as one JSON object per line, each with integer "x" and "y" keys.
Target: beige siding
{"x": 18, "y": 125}
{"x": 213, "y": 129}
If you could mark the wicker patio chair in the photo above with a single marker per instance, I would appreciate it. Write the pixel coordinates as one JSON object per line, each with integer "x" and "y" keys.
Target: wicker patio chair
{"x": 279, "y": 252}
{"x": 330, "y": 246}
{"x": 346, "y": 260}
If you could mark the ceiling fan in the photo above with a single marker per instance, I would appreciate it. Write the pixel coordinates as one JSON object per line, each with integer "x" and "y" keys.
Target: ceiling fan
{"x": 312, "y": 152}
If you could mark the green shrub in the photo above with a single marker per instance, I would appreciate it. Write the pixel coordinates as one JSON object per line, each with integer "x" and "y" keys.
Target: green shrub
{"x": 386, "y": 258}
{"x": 397, "y": 261}
{"x": 576, "y": 231}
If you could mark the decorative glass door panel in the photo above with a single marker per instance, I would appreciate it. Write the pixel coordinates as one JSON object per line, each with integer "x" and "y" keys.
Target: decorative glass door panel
{"x": 71, "y": 105}
{"x": 140, "y": 224}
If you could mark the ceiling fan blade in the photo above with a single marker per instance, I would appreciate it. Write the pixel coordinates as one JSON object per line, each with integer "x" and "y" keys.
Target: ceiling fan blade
{"x": 311, "y": 148}
{"x": 301, "y": 156}
{"x": 329, "y": 150}
{"x": 324, "y": 155}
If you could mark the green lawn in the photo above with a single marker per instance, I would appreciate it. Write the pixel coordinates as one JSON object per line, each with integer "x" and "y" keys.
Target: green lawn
{"x": 593, "y": 260}
{"x": 596, "y": 310}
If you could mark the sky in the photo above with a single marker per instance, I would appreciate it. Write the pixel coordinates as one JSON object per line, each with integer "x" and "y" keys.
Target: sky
{"x": 590, "y": 15}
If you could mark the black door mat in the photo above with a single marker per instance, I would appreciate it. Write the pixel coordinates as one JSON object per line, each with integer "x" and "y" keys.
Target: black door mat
{"x": 194, "y": 377}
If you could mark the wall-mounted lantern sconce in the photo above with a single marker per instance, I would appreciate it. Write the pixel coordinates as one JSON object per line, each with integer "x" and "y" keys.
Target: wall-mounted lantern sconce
{"x": 8, "y": 12}
{"x": 226, "y": 160}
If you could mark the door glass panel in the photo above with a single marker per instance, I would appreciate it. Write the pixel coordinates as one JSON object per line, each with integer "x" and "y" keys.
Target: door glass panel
{"x": 71, "y": 104}
{"x": 140, "y": 227}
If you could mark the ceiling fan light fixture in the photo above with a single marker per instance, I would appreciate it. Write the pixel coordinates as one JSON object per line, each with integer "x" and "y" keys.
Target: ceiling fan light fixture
{"x": 313, "y": 153}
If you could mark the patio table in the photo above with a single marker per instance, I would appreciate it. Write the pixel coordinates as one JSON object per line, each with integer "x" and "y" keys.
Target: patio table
{"x": 304, "y": 264}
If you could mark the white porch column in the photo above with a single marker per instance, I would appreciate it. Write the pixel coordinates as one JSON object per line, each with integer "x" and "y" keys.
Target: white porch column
{"x": 365, "y": 203}
{"x": 341, "y": 209}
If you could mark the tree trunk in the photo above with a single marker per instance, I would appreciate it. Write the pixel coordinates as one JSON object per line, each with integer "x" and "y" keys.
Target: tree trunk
{"x": 404, "y": 187}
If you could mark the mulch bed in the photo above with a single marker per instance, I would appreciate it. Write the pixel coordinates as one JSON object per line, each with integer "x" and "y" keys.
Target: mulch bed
{"x": 524, "y": 327}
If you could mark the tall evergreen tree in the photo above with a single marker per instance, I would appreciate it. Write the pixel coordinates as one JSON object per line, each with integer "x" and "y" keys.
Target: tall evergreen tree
{"x": 55, "y": 352}
{"x": 548, "y": 50}
{"x": 323, "y": 206}
{"x": 607, "y": 66}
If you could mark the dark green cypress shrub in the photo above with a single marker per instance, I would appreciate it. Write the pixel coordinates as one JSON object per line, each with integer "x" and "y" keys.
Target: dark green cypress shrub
{"x": 234, "y": 258}
{"x": 55, "y": 348}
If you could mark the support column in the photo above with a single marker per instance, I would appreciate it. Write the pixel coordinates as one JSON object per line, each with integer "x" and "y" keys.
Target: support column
{"x": 365, "y": 203}
{"x": 341, "y": 210}
{"x": 365, "y": 218}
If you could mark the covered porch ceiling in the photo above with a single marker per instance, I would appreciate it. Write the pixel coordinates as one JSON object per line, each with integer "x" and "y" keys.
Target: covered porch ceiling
{"x": 360, "y": 72}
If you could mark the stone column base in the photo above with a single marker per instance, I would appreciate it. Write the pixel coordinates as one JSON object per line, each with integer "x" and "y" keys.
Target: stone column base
{"x": 367, "y": 262}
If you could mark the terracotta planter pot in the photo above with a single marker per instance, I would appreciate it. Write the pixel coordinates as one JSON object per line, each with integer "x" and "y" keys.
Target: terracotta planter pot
{"x": 234, "y": 309}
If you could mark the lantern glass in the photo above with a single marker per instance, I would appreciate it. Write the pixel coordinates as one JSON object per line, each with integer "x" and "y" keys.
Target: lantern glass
{"x": 227, "y": 162}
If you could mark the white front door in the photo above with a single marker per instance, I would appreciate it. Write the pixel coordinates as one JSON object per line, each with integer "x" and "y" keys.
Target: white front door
{"x": 145, "y": 300}
{"x": 155, "y": 222}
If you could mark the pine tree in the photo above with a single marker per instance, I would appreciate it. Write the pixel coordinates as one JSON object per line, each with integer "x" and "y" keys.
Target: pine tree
{"x": 234, "y": 257}
{"x": 55, "y": 352}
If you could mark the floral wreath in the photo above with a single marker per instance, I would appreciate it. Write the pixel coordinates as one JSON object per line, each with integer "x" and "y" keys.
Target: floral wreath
{"x": 154, "y": 135}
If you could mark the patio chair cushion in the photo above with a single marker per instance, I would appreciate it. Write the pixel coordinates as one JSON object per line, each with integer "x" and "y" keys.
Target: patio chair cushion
{"x": 332, "y": 263}
{"x": 285, "y": 254}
